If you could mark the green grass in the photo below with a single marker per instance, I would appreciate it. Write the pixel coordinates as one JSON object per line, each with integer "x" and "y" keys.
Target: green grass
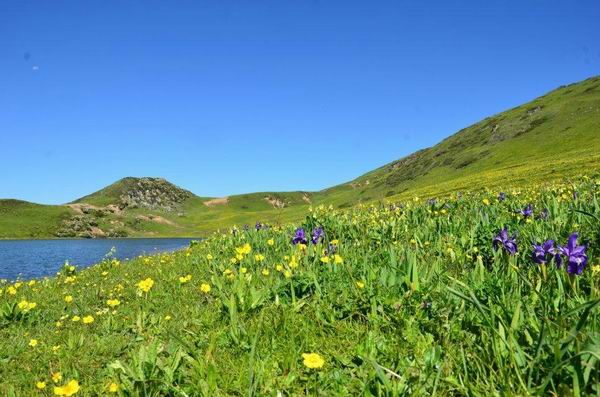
{"x": 550, "y": 137}
{"x": 417, "y": 303}
{"x": 20, "y": 219}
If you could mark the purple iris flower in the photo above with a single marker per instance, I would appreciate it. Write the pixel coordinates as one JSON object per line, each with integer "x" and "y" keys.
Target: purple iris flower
{"x": 501, "y": 196}
{"x": 258, "y": 226}
{"x": 317, "y": 235}
{"x": 245, "y": 228}
{"x": 503, "y": 241}
{"x": 527, "y": 211}
{"x": 299, "y": 237}
{"x": 576, "y": 257}
{"x": 544, "y": 253}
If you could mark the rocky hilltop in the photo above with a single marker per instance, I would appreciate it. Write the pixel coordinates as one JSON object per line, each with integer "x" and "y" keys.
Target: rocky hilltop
{"x": 108, "y": 212}
{"x": 153, "y": 193}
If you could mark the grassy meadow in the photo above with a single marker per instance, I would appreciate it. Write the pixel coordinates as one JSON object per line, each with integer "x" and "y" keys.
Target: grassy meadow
{"x": 416, "y": 297}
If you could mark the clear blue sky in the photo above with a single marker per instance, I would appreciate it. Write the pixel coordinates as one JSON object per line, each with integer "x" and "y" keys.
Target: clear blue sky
{"x": 225, "y": 97}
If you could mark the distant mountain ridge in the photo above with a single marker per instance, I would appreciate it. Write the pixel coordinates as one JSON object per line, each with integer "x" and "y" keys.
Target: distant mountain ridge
{"x": 556, "y": 135}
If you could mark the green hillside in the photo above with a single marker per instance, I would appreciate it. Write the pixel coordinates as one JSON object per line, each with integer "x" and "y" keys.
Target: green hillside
{"x": 553, "y": 136}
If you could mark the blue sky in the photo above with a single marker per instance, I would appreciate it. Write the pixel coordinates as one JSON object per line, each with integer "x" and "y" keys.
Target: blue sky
{"x": 225, "y": 97}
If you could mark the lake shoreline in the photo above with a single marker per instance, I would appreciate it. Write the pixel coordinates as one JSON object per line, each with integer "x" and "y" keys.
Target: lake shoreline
{"x": 25, "y": 259}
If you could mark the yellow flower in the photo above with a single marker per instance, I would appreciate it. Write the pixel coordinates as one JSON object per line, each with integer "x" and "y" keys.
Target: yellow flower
{"x": 334, "y": 242}
{"x": 325, "y": 259}
{"x": 167, "y": 317}
{"x": 486, "y": 201}
{"x": 67, "y": 390}
{"x": 55, "y": 348}
{"x": 88, "y": 319}
{"x": 279, "y": 267}
{"x": 244, "y": 250}
{"x": 270, "y": 241}
{"x": 205, "y": 288}
{"x": 11, "y": 290}
{"x": 113, "y": 388}
{"x": 185, "y": 279}
{"x": 243, "y": 270}
{"x": 68, "y": 299}
{"x": 113, "y": 302}
{"x": 40, "y": 385}
{"x": 313, "y": 360}
{"x": 259, "y": 257}
{"x": 287, "y": 274}
{"x": 33, "y": 342}
{"x": 76, "y": 318}
{"x": 337, "y": 259}
{"x": 360, "y": 284}
{"x": 265, "y": 272}
{"x": 146, "y": 284}
{"x": 209, "y": 257}
{"x": 56, "y": 377}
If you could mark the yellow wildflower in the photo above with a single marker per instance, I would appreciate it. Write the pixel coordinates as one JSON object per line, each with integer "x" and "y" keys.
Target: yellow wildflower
{"x": 69, "y": 389}
{"x": 486, "y": 201}
{"x": 204, "y": 287}
{"x": 337, "y": 259}
{"x": 113, "y": 302}
{"x": 113, "y": 388}
{"x": 88, "y": 319}
{"x": 185, "y": 279}
{"x": 68, "y": 299}
{"x": 209, "y": 257}
{"x": 360, "y": 284}
{"x": 76, "y": 318}
{"x": 270, "y": 241}
{"x": 313, "y": 360}
{"x": 40, "y": 385}
{"x": 146, "y": 285}
{"x": 33, "y": 342}
{"x": 265, "y": 272}
{"x": 325, "y": 259}
{"x": 56, "y": 377}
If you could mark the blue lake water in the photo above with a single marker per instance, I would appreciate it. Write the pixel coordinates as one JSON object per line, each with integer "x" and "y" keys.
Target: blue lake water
{"x": 37, "y": 258}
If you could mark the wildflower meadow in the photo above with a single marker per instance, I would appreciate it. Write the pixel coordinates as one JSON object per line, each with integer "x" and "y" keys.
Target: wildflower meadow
{"x": 476, "y": 293}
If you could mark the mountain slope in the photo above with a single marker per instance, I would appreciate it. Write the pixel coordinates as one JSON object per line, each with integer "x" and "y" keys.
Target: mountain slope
{"x": 556, "y": 135}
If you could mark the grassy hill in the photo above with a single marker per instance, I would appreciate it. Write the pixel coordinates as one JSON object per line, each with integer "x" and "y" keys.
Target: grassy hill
{"x": 555, "y": 135}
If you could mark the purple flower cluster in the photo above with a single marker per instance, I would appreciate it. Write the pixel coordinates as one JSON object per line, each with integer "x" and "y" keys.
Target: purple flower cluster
{"x": 299, "y": 237}
{"x": 318, "y": 235}
{"x": 527, "y": 211}
{"x": 502, "y": 240}
{"x": 574, "y": 254}
{"x": 543, "y": 253}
